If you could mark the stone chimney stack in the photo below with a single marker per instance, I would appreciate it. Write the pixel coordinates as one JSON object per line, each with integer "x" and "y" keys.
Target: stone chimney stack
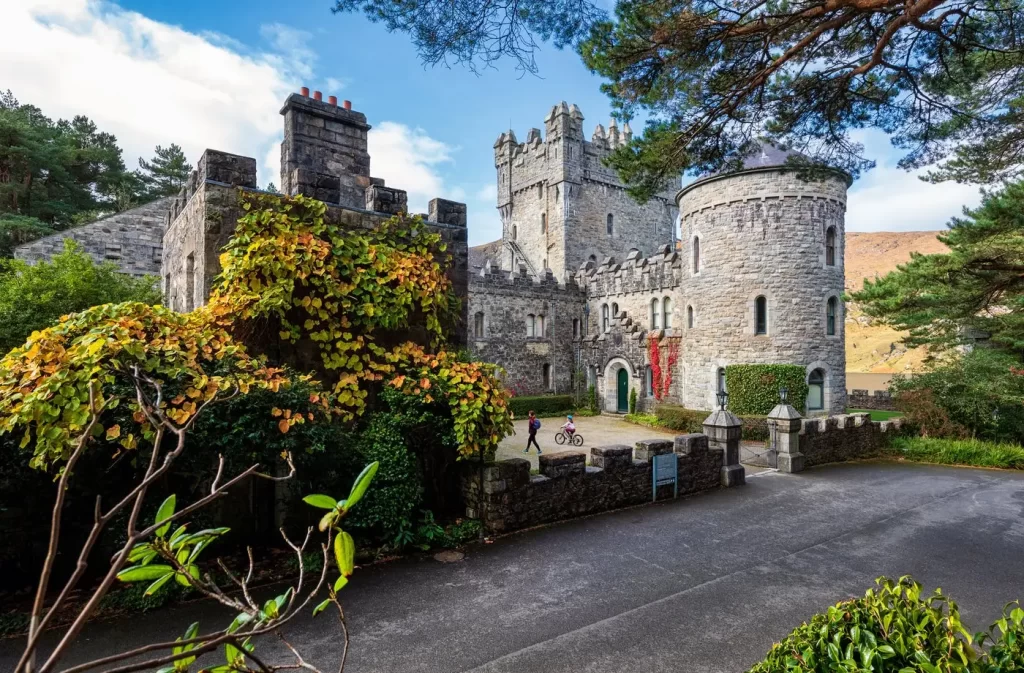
{"x": 324, "y": 152}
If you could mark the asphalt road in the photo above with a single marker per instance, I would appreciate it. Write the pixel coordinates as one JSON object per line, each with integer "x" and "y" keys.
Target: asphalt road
{"x": 703, "y": 584}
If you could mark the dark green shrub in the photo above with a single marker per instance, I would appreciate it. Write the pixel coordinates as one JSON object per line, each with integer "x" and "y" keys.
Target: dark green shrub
{"x": 754, "y": 389}
{"x": 978, "y": 394}
{"x": 679, "y": 418}
{"x": 893, "y": 628}
{"x": 542, "y": 405}
{"x": 632, "y": 401}
{"x": 592, "y": 398}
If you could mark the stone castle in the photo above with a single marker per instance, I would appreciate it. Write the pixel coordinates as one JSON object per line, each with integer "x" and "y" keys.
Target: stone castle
{"x": 737, "y": 268}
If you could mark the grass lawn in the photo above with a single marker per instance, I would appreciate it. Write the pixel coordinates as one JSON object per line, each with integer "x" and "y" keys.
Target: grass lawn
{"x": 875, "y": 414}
{"x": 960, "y": 452}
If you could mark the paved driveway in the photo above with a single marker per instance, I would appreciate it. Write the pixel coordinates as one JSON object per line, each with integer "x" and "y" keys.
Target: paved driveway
{"x": 699, "y": 585}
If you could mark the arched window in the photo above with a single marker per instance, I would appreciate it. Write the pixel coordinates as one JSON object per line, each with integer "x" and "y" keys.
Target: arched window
{"x": 478, "y": 325}
{"x": 611, "y": 225}
{"x": 615, "y": 310}
{"x": 830, "y": 247}
{"x": 547, "y": 377}
{"x": 648, "y": 381}
{"x": 696, "y": 254}
{"x": 666, "y": 313}
{"x": 721, "y": 380}
{"x": 604, "y": 319}
{"x": 541, "y": 333}
{"x": 543, "y": 223}
{"x": 689, "y": 317}
{"x": 830, "y": 317}
{"x": 540, "y": 191}
{"x": 816, "y": 390}
{"x": 655, "y": 314}
{"x": 531, "y": 326}
{"x": 515, "y": 232}
{"x": 545, "y": 262}
{"x": 761, "y": 315}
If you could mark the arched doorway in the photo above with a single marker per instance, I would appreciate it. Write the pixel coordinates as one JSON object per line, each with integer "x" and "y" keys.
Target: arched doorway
{"x": 622, "y": 391}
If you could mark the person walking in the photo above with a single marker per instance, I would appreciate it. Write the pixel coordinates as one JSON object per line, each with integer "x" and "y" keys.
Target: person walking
{"x": 533, "y": 425}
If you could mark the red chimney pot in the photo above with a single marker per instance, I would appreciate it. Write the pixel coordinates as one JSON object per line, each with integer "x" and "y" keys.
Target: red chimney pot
{"x": 317, "y": 95}
{"x": 347, "y": 105}
{"x": 304, "y": 91}
{"x": 333, "y": 100}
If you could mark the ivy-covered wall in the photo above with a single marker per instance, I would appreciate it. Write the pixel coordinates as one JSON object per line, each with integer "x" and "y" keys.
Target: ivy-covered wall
{"x": 754, "y": 389}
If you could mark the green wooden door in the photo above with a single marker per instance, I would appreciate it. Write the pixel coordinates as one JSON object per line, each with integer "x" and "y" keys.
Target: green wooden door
{"x": 623, "y": 388}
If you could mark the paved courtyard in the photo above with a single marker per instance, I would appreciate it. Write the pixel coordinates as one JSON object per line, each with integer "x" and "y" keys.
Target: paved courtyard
{"x": 704, "y": 584}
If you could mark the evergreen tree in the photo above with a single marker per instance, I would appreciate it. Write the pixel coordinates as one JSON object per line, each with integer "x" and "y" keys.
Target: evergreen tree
{"x": 946, "y": 300}
{"x": 166, "y": 174}
{"x": 272, "y": 188}
{"x": 942, "y": 77}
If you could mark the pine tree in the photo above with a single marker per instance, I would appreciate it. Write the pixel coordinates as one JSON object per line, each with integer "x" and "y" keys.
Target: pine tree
{"x": 166, "y": 174}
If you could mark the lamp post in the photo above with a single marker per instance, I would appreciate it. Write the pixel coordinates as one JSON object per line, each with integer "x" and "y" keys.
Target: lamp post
{"x": 783, "y": 394}
{"x": 723, "y": 397}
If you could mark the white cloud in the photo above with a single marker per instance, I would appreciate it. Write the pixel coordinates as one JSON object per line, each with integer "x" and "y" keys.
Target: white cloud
{"x": 407, "y": 158}
{"x": 888, "y": 198}
{"x": 148, "y": 82}
{"x": 488, "y": 192}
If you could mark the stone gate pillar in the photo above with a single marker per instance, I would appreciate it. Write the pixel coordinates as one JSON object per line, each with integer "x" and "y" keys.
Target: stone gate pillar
{"x": 724, "y": 429}
{"x": 784, "y": 427}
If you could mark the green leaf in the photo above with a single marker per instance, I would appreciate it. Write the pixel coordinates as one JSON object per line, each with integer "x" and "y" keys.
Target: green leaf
{"x": 142, "y": 573}
{"x": 344, "y": 553}
{"x": 321, "y": 501}
{"x": 155, "y": 586}
{"x": 165, "y": 511}
{"x": 241, "y": 620}
{"x": 361, "y": 484}
{"x": 340, "y": 583}
{"x": 270, "y": 609}
{"x": 321, "y": 607}
{"x": 328, "y": 520}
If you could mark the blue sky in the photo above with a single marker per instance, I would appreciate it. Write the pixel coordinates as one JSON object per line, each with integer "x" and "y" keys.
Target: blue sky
{"x": 212, "y": 73}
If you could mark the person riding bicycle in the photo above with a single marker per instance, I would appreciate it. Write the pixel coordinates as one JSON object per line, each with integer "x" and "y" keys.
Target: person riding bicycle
{"x": 569, "y": 427}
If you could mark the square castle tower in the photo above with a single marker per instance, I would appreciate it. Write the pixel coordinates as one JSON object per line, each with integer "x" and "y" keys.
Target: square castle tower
{"x": 561, "y": 206}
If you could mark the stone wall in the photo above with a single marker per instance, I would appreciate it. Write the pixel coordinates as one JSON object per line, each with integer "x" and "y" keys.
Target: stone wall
{"x": 133, "y": 240}
{"x": 503, "y": 301}
{"x": 844, "y": 437}
{"x": 761, "y": 233}
{"x": 873, "y": 399}
{"x": 567, "y": 487}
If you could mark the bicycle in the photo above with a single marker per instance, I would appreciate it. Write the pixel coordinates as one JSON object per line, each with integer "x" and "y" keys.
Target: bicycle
{"x": 576, "y": 439}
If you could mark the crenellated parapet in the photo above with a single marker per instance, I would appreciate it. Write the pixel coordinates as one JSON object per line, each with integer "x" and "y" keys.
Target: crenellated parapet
{"x": 660, "y": 272}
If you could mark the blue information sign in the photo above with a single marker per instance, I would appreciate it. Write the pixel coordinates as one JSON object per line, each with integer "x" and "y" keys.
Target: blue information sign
{"x": 665, "y": 470}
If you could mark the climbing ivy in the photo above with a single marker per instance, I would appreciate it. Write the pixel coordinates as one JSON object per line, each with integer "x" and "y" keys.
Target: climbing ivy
{"x": 352, "y": 294}
{"x": 754, "y": 389}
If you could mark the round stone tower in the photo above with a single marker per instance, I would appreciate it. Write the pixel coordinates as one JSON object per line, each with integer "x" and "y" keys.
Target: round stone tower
{"x": 763, "y": 278}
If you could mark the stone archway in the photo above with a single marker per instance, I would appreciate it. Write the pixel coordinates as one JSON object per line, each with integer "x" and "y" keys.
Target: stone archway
{"x": 619, "y": 379}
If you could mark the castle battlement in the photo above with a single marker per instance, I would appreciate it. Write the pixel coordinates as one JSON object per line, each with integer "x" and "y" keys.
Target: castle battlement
{"x": 637, "y": 274}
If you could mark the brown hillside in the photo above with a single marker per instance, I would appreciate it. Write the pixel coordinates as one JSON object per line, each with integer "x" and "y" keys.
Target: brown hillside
{"x": 876, "y": 348}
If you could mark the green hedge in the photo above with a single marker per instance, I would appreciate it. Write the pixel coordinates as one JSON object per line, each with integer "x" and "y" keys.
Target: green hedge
{"x": 755, "y": 428}
{"x": 542, "y": 405}
{"x": 754, "y": 389}
{"x": 960, "y": 452}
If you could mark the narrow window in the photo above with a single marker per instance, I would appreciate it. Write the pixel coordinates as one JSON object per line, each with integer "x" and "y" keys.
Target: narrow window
{"x": 615, "y": 310}
{"x": 593, "y": 258}
{"x": 543, "y": 223}
{"x": 721, "y": 380}
{"x": 515, "y": 232}
{"x": 478, "y": 325}
{"x": 689, "y": 317}
{"x": 604, "y": 319}
{"x": 540, "y": 327}
{"x": 696, "y": 254}
{"x": 816, "y": 390}
{"x": 575, "y": 327}
{"x": 167, "y": 288}
{"x": 547, "y": 377}
{"x": 830, "y": 247}
{"x": 540, "y": 191}
{"x": 666, "y": 313}
{"x": 545, "y": 262}
{"x": 611, "y": 225}
{"x": 830, "y": 317}
{"x": 761, "y": 316}
{"x": 190, "y": 282}
{"x": 648, "y": 381}
{"x": 531, "y": 326}
{"x": 655, "y": 314}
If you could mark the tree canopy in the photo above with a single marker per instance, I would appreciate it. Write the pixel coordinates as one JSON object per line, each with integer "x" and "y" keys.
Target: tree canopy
{"x": 942, "y": 77}
{"x": 166, "y": 174}
{"x": 33, "y": 297}
{"x": 945, "y": 300}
